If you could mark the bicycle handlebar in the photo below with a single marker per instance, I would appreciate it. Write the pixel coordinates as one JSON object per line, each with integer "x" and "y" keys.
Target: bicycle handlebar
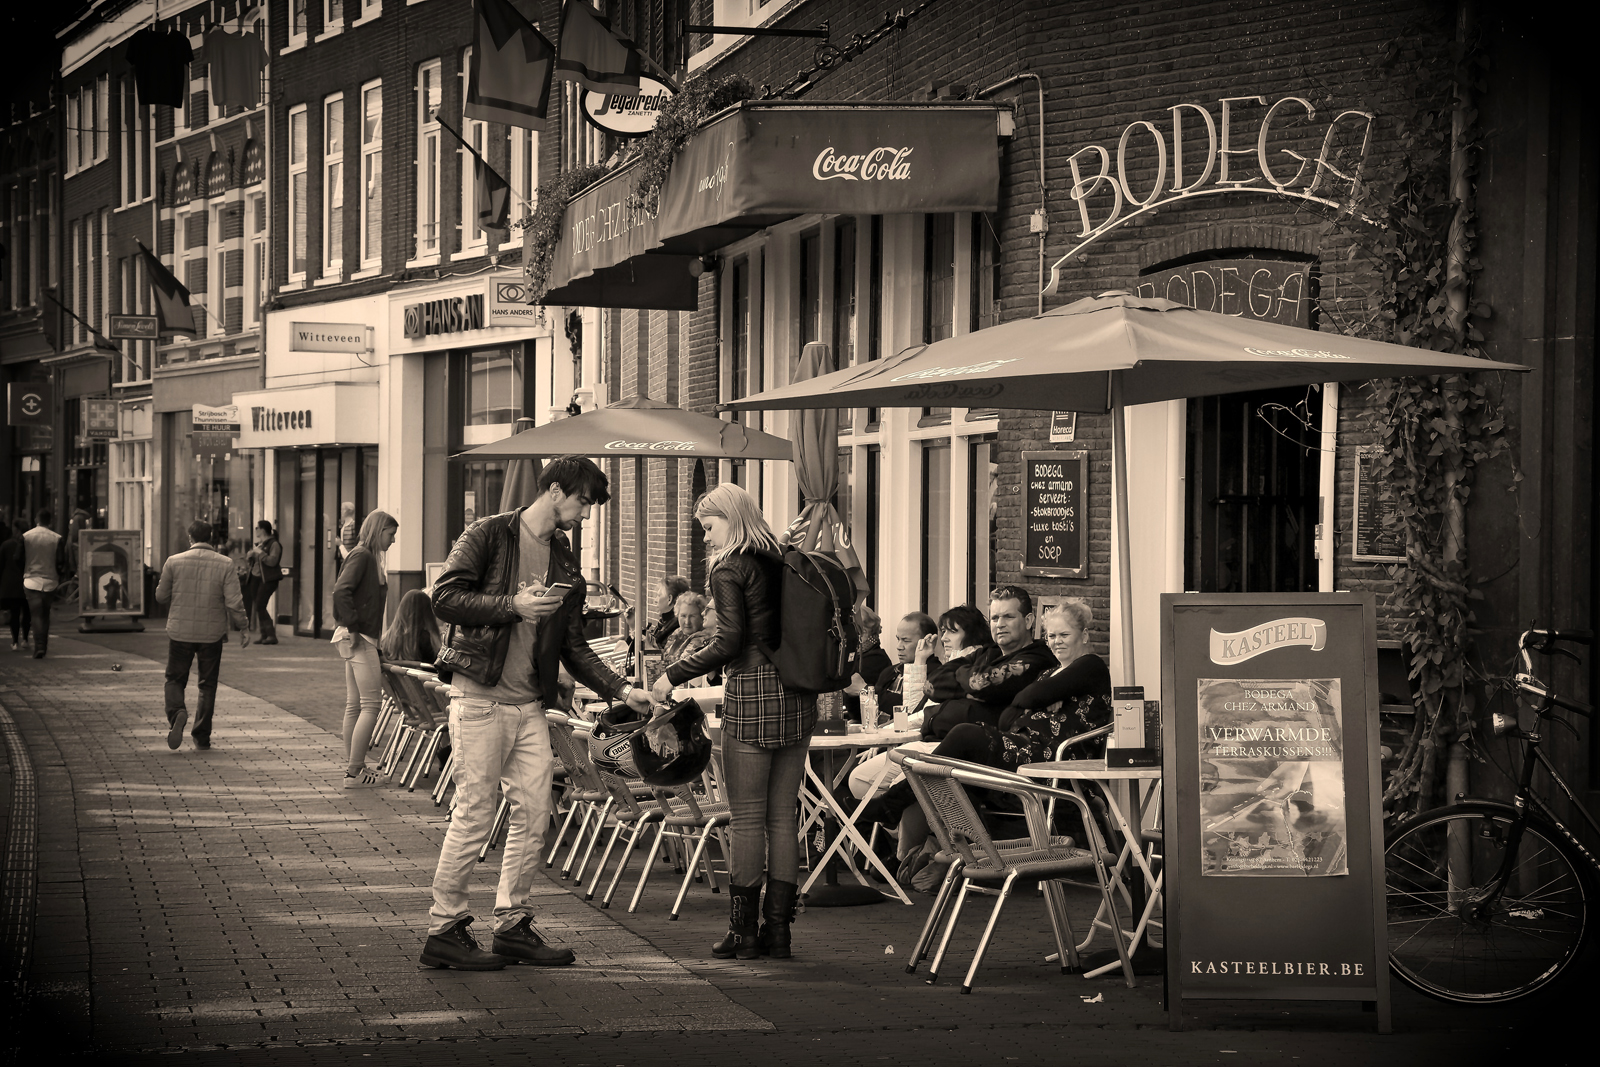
{"x": 1545, "y": 641}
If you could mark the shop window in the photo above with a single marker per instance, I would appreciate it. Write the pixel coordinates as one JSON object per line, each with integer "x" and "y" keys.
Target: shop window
{"x": 935, "y": 585}
{"x": 494, "y": 385}
{"x": 810, "y": 287}
{"x": 372, "y": 175}
{"x": 429, "y": 99}
{"x": 299, "y": 192}
{"x": 482, "y": 485}
{"x": 982, "y": 517}
{"x": 333, "y": 186}
{"x": 938, "y": 289}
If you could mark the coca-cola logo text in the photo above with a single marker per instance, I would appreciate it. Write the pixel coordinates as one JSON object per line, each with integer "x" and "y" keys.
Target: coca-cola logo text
{"x": 880, "y": 164}
{"x": 654, "y": 446}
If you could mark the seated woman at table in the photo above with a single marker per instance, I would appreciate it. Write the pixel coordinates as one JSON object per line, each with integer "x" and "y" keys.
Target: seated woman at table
{"x": 413, "y": 636}
{"x": 1071, "y": 699}
{"x": 669, "y": 589}
{"x": 689, "y": 634}
{"x": 991, "y": 677}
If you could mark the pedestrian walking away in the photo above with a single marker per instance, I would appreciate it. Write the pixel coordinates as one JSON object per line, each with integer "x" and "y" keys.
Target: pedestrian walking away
{"x": 201, "y": 588}
{"x": 359, "y": 596}
{"x": 766, "y": 728}
{"x": 44, "y": 568}
{"x": 13, "y": 594}
{"x": 512, "y": 596}
{"x": 265, "y": 560}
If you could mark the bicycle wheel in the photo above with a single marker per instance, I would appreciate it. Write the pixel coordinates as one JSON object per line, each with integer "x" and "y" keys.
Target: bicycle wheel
{"x": 1445, "y": 941}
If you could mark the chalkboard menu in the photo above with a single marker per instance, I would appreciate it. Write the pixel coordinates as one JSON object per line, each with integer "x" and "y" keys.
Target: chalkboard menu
{"x": 1273, "y": 822}
{"x": 1055, "y": 514}
{"x": 1373, "y": 543}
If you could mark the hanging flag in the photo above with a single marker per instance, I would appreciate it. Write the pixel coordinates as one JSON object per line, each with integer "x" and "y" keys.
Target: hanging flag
{"x": 494, "y": 197}
{"x": 511, "y": 67}
{"x": 173, "y": 314}
{"x": 591, "y": 55}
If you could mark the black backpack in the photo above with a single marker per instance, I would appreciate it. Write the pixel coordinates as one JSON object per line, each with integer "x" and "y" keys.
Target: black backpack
{"x": 817, "y": 640}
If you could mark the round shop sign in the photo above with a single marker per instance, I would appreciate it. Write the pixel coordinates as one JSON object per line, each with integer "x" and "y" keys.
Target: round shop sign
{"x": 627, "y": 114}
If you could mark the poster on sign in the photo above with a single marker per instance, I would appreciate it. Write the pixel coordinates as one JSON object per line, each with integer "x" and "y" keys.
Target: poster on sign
{"x": 1271, "y": 777}
{"x": 110, "y": 572}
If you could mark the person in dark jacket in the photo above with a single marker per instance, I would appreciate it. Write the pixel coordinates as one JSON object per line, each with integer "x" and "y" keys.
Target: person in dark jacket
{"x": 766, "y": 727}
{"x": 265, "y": 560}
{"x": 513, "y": 593}
{"x": 359, "y": 596}
{"x": 663, "y": 628}
{"x": 13, "y": 597}
{"x": 871, "y": 660}
{"x": 997, "y": 672}
{"x": 903, "y": 681}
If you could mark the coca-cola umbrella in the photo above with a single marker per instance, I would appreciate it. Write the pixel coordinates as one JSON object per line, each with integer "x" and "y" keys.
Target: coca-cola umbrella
{"x": 1102, "y": 353}
{"x": 818, "y": 527}
{"x": 640, "y": 427}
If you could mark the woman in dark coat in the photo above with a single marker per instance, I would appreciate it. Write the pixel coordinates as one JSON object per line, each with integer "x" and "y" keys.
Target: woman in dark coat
{"x": 766, "y": 728}
{"x": 13, "y": 597}
{"x": 359, "y": 595}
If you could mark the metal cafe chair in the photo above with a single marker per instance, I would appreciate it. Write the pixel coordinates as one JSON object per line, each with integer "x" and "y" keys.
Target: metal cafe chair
{"x": 942, "y": 784}
{"x": 584, "y": 791}
{"x": 629, "y": 814}
{"x": 697, "y": 820}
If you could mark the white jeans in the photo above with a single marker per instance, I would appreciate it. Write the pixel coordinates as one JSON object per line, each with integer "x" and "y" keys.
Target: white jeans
{"x": 494, "y": 744}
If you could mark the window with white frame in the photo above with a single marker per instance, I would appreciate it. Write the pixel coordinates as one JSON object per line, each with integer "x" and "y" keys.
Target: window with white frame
{"x": 298, "y": 21}
{"x": 299, "y": 217}
{"x": 332, "y": 16}
{"x": 135, "y": 145}
{"x": 134, "y": 483}
{"x": 190, "y": 241}
{"x": 475, "y": 132}
{"x": 582, "y": 143}
{"x": 429, "y": 99}
{"x": 371, "y": 9}
{"x": 102, "y": 123}
{"x": 255, "y": 264}
{"x": 105, "y": 301}
{"x": 75, "y": 278}
{"x": 91, "y": 281}
{"x": 524, "y": 171}
{"x": 74, "y": 120}
{"x": 217, "y": 270}
{"x": 333, "y": 186}
{"x": 135, "y": 301}
{"x": 372, "y": 175}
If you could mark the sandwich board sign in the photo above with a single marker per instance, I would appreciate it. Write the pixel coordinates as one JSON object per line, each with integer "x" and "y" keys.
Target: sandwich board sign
{"x": 1273, "y": 831}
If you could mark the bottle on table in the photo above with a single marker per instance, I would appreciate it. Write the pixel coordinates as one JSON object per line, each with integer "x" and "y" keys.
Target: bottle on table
{"x": 869, "y": 709}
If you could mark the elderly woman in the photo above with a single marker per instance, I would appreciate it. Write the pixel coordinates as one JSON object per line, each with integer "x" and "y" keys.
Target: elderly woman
{"x": 689, "y": 631}
{"x": 1072, "y": 699}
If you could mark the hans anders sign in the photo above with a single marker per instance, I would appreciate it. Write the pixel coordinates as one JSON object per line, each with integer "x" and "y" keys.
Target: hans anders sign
{"x": 456, "y": 314}
{"x": 351, "y": 337}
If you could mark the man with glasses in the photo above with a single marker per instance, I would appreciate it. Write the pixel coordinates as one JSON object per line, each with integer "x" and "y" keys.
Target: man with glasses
{"x": 514, "y": 595}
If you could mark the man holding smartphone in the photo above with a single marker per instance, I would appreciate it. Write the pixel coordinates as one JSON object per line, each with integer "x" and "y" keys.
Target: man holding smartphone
{"x": 513, "y": 594}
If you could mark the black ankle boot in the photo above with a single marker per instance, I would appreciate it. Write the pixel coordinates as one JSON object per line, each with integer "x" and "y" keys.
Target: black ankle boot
{"x": 777, "y": 912}
{"x": 744, "y": 902}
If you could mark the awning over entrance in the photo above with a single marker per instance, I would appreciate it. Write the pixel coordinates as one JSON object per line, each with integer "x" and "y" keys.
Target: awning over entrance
{"x": 760, "y": 164}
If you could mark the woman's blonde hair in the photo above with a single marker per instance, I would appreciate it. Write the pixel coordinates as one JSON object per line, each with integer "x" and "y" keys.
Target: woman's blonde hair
{"x": 372, "y": 527}
{"x": 747, "y": 527}
{"x": 1075, "y": 610}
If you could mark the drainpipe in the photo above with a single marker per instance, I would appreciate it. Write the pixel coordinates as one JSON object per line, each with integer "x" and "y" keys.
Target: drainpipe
{"x": 1039, "y": 224}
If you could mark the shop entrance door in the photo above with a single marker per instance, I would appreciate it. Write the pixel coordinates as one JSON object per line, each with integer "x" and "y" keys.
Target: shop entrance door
{"x": 336, "y": 487}
{"x": 1252, "y": 492}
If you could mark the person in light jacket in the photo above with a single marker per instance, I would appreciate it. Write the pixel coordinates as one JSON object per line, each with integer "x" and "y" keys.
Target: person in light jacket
{"x": 359, "y": 596}
{"x": 766, "y": 727}
{"x": 202, "y": 587}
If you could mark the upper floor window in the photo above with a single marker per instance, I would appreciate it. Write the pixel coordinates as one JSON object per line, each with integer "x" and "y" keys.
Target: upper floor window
{"x": 333, "y": 186}
{"x": 429, "y": 99}
{"x": 524, "y": 170}
{"x": 332, "y": 16}
{"x": 372, "y": 174}
{"x": 297, "y": 22}
{"x": 298, "y": 193}
{"x": 136, "y": 153}
{"x": 475, "y": 132}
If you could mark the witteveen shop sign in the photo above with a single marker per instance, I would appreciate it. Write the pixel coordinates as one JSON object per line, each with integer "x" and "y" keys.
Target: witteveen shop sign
{"x": 1273, "y": 824}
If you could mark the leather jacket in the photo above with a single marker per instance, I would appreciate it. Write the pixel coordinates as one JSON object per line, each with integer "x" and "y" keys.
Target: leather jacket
{"x": 474, "y": 593}
{"x": 744, "y": 588}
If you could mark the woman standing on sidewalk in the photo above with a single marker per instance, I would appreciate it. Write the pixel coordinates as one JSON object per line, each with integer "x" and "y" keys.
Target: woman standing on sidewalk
{"x": 358, "y": 600}
{"x": 264, "y": 558}
{"x": 766, "y": 728}
{"x": 13, "y": 597}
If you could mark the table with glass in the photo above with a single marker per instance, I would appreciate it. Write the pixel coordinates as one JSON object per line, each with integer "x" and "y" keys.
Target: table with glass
{"x": 819, "y": 801}
{"x": 1119, "y": 785}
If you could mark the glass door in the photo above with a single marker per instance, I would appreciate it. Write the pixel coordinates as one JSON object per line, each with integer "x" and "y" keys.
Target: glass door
{"x": 307, "y": 542}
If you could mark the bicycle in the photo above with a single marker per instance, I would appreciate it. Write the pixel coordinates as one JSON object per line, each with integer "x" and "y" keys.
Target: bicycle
{"x": 1488, "y": 901}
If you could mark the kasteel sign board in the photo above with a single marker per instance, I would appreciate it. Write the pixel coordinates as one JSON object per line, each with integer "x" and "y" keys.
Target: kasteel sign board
{"x": 627, "y": 114}
{"x": 1273, "y": 821}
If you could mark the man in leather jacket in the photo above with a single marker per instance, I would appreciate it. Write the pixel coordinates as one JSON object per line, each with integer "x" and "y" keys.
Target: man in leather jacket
{"x": 513, "y": 594}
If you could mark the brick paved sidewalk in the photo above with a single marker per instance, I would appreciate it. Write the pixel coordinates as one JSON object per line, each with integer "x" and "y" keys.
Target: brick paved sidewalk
{"x": 240, "y": 901}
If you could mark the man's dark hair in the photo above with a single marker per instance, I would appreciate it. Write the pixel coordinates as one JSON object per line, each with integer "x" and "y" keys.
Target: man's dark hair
{"x": 923, "y": 620}
{"x": 199, "y": 532}
{"x": 1012, "y": 592}
{"x": 44, "y": 517}
{"x": 577, "y": 476}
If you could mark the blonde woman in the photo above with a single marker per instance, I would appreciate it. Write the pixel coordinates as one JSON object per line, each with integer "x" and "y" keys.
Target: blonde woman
{"x": 766, "y": 728}
{"x": 358, "y": 600}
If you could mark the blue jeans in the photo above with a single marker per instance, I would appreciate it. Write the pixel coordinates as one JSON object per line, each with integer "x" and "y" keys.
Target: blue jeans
{"x": 363, "y": 699}
{"x": 39, "y": 607}
{"x": 180, "y": 654}
{"x": 763, "y": 789}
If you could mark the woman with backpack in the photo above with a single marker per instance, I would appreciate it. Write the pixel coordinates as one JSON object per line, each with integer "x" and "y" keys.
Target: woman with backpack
{"x": 766, "y": 727}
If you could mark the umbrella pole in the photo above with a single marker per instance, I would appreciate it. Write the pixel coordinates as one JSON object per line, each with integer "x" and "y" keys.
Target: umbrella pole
{"x": 640, "y": 529}
{"x": 1119, "y": 497}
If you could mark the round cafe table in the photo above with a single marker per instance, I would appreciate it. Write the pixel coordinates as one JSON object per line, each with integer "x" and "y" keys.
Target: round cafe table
{"x": 838, "y": 752}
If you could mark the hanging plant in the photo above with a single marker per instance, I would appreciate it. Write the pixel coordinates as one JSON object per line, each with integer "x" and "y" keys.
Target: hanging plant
{"x": 542, "y": 226}
{"x": 701, "y": 97}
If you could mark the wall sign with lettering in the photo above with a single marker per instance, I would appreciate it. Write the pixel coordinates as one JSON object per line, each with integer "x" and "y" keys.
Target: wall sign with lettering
{"x": 1266, "y": 289}
{"x": 1055, "y": 516}
{"x": 1374, "y": 542}
{"x": 1273, "y": 820}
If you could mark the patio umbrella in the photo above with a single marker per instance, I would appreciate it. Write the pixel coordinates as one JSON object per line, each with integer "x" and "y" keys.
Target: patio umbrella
{"x": 1102, "y": 353}
{"x": 816, "y": 452}
{"x": 638, "y": 426}
{"x": 522, "y": 475}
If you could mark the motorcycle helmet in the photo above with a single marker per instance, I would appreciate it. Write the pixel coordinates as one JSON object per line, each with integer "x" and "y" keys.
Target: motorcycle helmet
{"x": 610, "y": 746}
{"x": 694, "y": 748}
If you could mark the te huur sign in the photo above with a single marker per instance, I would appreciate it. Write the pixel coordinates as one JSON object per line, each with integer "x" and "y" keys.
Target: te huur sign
{"x": 1054, "y": 514}
{"x": 1273, "y": 829}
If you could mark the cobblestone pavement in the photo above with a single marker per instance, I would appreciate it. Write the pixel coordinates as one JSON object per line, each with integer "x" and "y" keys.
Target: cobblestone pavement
{"x": 239, "y": 906}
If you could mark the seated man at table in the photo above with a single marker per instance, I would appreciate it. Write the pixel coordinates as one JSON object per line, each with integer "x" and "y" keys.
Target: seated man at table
{"x": 1068, "y": 700}
{"x": 997, "y": 673}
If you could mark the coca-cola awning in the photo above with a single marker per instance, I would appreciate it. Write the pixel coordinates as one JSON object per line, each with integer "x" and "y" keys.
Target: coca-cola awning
{"x": 762, "y": 163}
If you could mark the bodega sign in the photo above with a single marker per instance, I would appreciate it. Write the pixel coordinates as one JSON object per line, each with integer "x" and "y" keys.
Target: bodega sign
{"x": 1240, "y": 144}
{"x": 1280, "y": 633}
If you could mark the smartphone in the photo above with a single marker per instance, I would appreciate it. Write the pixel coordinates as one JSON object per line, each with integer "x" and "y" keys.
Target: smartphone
{"x": 559, "y": 588}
